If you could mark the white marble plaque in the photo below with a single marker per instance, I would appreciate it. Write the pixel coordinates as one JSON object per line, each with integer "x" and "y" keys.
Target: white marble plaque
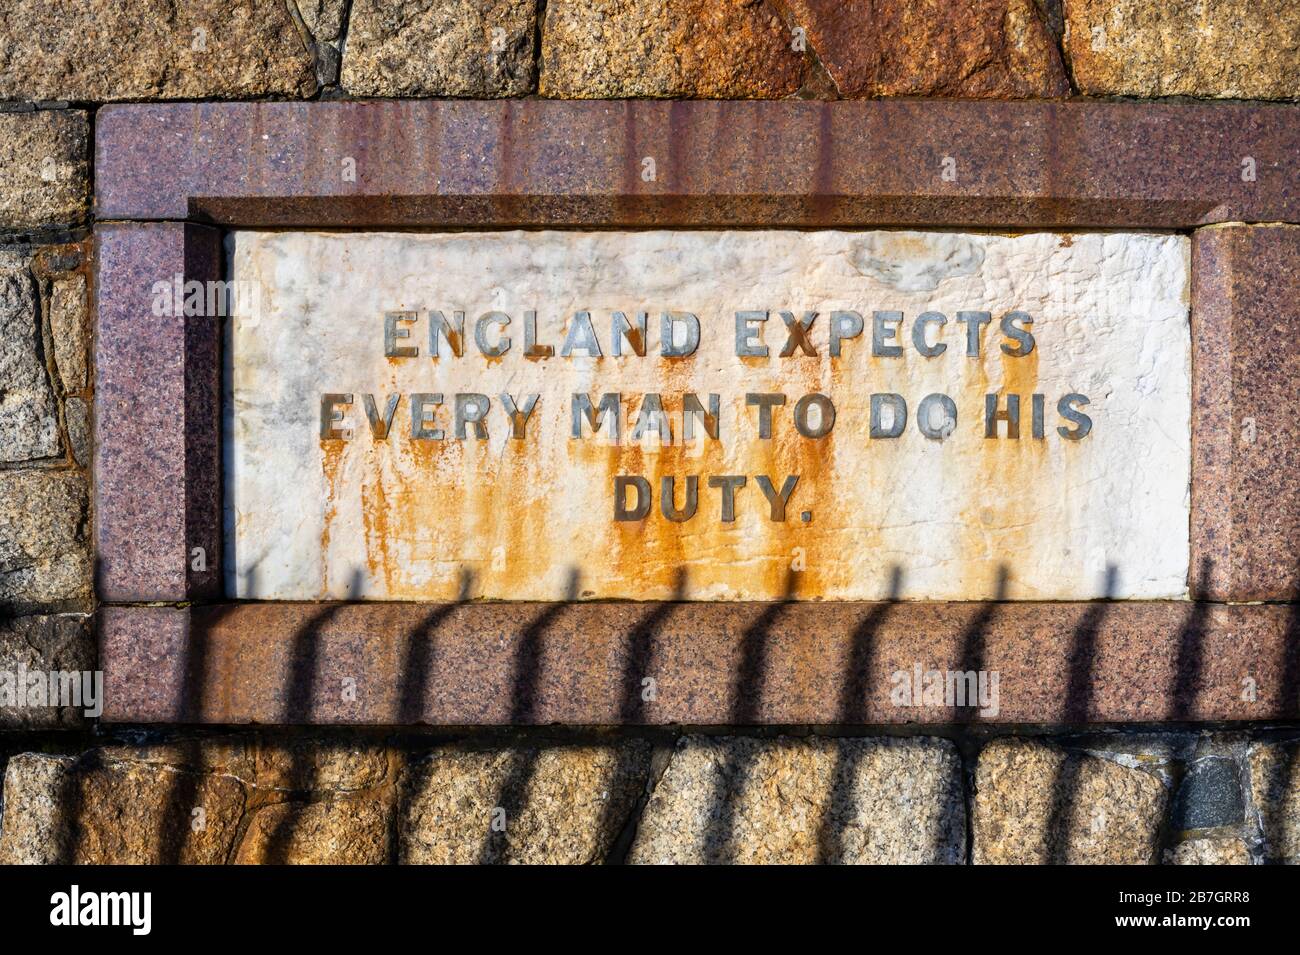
{"x": 359, "y": 464}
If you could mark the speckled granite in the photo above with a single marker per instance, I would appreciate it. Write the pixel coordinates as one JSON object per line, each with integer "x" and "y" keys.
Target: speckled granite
{"x": 734, "y": 664}
{"x": 44, "y": 179}
{"x": 157, "y": 393}
{"x": 995, "y": 49}
{"x": 1017, "y": 164}
{"x": 1246, "y": 412}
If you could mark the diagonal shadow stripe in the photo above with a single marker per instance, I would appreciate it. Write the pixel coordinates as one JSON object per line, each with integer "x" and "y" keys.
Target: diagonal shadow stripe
{"x": 842, "y": 807}
{"x": 638, "y": 663}
{"x": 731, "y": 779}
{"x": 299, "y": 703}
{"x": 526, "y": 678}
{"x": 1077, "y": 709}
{"x": 176, "y": 824}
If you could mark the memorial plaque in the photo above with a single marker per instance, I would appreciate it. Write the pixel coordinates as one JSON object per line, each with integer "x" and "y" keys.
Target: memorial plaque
{"x": 739, "y": 415}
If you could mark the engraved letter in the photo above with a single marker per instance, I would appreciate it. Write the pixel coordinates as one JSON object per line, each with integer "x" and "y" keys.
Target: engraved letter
{"x": 643, "y": 498}
{"x": 765, "y": 403}
{"x": 775, "y": 500}
{"x": 392, "y": 333}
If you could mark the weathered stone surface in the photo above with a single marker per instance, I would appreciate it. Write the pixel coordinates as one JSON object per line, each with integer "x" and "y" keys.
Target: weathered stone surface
{"x": 1220, "y": 851}
{"x": 1037, "y": 803}
{"x": 43, "y": 644}
{"x": 447, "y": 163}
{"x": 581, "y": 663}
{"x": 373, "y": 524}
{"x": 988, "y": 48}
{"x": 1247, "y": 49}
{"x": 1209, "y": 796}
{"x": 70, "y": 329}
{"x": 101, "y": 810}
{"x": 233, "y": 756}
{"x": 151, "y": 49}
{"x": 44, "y": 549}
{"x": 321, "y": 764}
{"x": 29, "y": 425}
{"x": 323, "y": 18}
{"x": 1246, "y": 392}
{"x": 339, "y": 832}
{"x": 725, "y": 49}
{"x": 440, "y": 48}
{"x": 324, "y": 21}
{"x": 735, "y": 799}
{"x": 554, "y": 805}
{"x": 1275, "y": 796}
{"x": 77, "y": 415}
{"x": 44, "y": 157}
{"x": 32, "y": 830}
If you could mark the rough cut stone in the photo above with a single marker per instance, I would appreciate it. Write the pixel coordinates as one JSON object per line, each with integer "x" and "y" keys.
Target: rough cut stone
{"x": 32, "y": 830}
{"x": 1240, "y": 49}
{"x": 440, "y": 48}
{"x": 719, "y": 49}
{"x": 324, "y": 22}
{"x": 44, "y": 157}
{"x": 988, "y": 48}
{"x": 151, "y": 49}
{"x": 802, "y": 801}
{"x": 360, "y": 516}
{"x": 233, "y": 756}
{"x": 1036, "y": 803}
{"x": 323, "y": 18}
{"x": 1223, "y": 851}
{"x": 321, "y": 764}
{"x": 69, "y": 328}
{"x": 1209, "y": 796}
{"x": 339, "y": 832}
{"x": 29, "y": 425}
{"x": 554, "y": 805}
{"x": 95, "y": 810}
{"x": 44, "y": 644}
{"x": 44, "y": 549}
{"x": 77, "y": 415}
{"x": 1275, "y": 793}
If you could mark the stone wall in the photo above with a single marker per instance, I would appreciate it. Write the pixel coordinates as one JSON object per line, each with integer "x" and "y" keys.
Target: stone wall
{"x": 73, "y": 792}
{"x": 1130, "y": 797}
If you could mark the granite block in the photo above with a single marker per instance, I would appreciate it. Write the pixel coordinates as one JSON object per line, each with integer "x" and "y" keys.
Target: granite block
{"x": 1020, "y": 165}
{"x": 157, "y": 385}
{"x": 1246, "y": 412}
{"x": 707, "y": 663}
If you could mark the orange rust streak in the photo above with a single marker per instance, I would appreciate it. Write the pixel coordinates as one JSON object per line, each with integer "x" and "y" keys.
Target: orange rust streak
{"x": 331, "y": 456}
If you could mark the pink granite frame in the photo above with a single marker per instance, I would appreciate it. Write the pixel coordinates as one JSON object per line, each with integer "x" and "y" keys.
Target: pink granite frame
{"x": 171, "y": 177}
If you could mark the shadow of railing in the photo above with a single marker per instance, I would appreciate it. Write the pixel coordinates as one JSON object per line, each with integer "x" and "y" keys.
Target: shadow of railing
{"x": 1187, "y": 685}
{"x": 972, "y": 648}
{"x": 68, "y": 795}
{"x": 174, "y": 827}
{"x": 418, "y": 658}
{"x": 719, "y": 839}
{"x": 300, "y": 698}
{"x": 971, "y": 658}
{"x": 1281, "y": 777}
{"x": 1191, "y": 651}
{"x": 852, "y": 710}
{"x": 525, "y": 680}
{"x": 419, "y": 653}
{"x": 637, "y": 664}
{"x": 179, "y": 805}
{"x": 1077, "y": 708}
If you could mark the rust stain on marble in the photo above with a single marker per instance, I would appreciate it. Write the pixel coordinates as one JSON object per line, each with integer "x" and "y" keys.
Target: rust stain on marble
{"x": 521, "y": 516}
